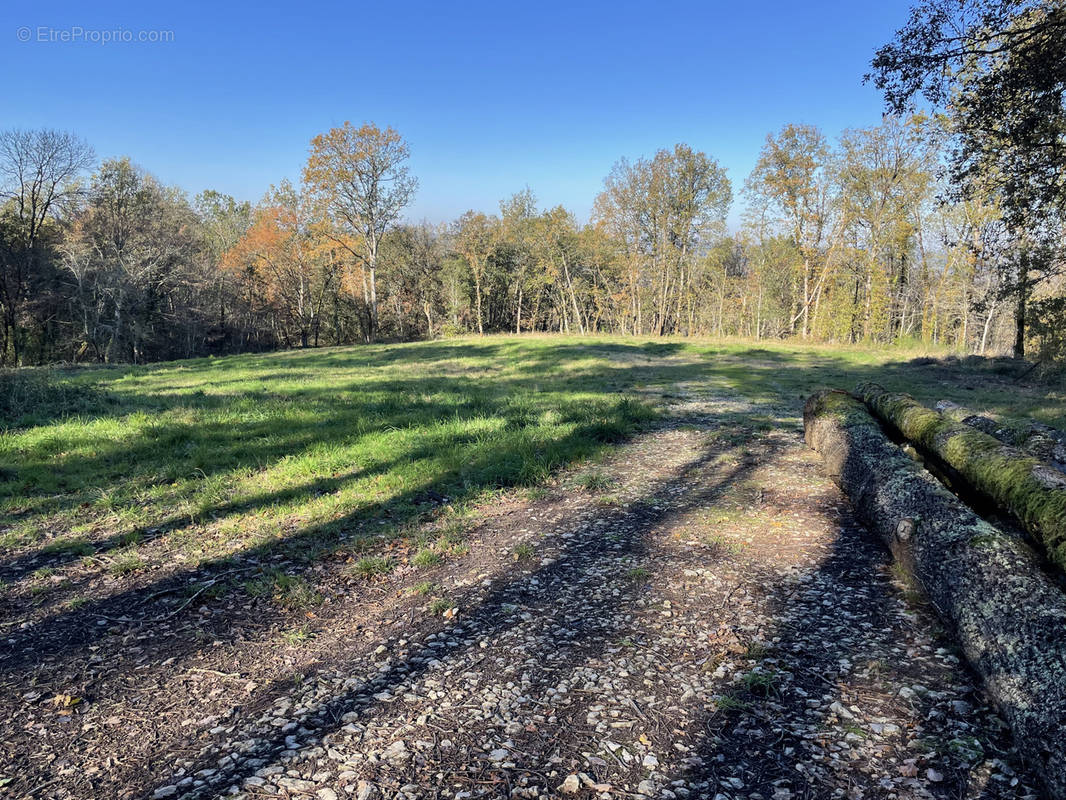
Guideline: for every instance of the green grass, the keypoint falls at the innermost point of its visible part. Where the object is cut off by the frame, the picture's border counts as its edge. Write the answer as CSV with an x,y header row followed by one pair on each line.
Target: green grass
x,y
426,558
438,606
227,455
72,545
299,453
125,563
535,493
293,592
297,636
761,683
721,543
756,651
371,566
856,730
729,702
595,482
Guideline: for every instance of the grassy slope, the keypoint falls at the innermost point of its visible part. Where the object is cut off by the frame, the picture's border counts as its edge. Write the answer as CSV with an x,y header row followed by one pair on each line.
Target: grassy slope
x,y
194,460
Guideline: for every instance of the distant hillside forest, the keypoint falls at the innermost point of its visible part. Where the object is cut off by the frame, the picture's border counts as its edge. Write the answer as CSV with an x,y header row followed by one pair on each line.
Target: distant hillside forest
x,y
925,228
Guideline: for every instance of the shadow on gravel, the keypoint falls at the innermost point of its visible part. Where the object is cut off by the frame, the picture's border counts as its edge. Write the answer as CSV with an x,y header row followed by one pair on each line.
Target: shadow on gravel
x,y
572,626
789,733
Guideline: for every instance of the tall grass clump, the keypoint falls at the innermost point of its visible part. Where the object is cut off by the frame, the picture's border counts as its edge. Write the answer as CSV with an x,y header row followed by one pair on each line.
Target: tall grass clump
x,y
35,396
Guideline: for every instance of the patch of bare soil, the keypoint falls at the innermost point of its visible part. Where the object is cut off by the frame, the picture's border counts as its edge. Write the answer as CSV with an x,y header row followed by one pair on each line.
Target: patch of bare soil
x,y
698,617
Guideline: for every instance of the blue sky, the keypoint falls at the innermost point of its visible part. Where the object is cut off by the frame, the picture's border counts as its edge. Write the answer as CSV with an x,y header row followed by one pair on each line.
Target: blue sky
x,y
491,96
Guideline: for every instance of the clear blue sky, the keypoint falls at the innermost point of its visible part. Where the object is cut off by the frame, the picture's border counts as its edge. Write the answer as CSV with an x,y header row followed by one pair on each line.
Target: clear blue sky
x,y
491,96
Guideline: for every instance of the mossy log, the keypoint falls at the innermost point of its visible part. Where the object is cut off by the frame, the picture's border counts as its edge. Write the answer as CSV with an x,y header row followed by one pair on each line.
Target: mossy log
x,y
1031,490
987,585
1035,438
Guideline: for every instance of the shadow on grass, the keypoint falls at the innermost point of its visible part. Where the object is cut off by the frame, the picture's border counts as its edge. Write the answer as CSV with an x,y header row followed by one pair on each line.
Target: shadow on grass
x,y
780,385
260,426
260,431
68,632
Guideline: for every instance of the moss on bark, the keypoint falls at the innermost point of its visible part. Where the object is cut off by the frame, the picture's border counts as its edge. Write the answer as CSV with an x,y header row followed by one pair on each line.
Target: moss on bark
x,y
987,585
1035,438
1022,484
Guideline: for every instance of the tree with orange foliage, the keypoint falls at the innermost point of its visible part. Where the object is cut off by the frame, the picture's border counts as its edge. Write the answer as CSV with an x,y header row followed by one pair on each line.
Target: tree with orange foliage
x,y
361,177
283,266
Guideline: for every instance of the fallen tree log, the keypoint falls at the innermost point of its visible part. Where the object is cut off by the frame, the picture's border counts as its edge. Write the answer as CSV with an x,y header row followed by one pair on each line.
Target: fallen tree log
x,y
987,585
1035,438
1032,491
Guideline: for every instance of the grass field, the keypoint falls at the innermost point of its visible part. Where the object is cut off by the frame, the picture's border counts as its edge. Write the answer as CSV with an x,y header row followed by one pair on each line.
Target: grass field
x,y
124,468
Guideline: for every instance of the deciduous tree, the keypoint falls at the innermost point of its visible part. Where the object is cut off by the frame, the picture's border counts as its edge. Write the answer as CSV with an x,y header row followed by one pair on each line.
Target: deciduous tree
x,y
39,172
362,178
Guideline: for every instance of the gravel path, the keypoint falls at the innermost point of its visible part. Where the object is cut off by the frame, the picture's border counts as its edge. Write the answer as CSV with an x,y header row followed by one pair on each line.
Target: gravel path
x,y
719,627
701,618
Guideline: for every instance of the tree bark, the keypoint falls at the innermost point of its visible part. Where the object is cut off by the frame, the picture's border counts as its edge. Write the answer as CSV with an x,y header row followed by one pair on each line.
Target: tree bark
x,y
1020,309
477,293
1034,492
987,586
988,325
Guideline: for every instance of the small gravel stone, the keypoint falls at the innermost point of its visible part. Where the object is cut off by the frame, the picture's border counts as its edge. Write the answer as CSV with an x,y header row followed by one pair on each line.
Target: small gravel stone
x,y
570,785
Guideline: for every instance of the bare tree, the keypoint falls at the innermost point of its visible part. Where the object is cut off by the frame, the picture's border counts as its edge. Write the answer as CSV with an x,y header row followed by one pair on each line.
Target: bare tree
x,y
131,247
38,178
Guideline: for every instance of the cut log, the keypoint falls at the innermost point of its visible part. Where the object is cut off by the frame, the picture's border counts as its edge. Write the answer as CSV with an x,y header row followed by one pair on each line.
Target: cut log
x,y
1035,438
987,585
1032,491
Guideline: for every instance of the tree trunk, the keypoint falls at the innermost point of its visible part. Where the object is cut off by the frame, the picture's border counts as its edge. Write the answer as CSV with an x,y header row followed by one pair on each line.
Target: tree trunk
x,y
1019,311
573,298
758,317
11,335
373,302
988,325
116,333
1034,492
477,292
987,586
661,322
867,317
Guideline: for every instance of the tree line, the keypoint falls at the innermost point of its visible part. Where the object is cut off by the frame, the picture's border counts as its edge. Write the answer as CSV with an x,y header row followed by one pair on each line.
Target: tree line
x,y
935,227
